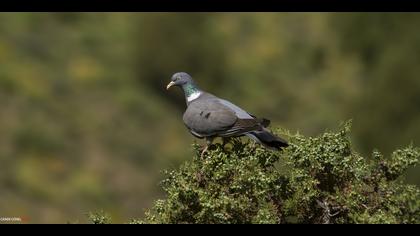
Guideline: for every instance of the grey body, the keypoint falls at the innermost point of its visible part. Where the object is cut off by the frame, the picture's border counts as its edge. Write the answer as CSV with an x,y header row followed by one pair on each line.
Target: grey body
x,y
209,116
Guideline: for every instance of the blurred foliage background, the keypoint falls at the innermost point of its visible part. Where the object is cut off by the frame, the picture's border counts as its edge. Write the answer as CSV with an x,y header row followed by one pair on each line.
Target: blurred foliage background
x,y
86,122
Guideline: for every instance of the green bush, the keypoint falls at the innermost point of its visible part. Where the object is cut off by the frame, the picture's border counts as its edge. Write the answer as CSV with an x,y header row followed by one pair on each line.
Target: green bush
x,y
315,180
99,218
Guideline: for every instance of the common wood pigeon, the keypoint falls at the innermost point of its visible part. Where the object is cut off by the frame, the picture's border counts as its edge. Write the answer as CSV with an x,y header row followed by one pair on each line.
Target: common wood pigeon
x,y
208,116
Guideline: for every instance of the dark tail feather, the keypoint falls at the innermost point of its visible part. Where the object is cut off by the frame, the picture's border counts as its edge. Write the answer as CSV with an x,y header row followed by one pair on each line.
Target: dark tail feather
x,y
268,139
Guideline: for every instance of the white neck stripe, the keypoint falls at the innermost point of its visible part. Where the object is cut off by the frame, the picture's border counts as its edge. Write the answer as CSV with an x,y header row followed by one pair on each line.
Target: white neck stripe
x,y
193,96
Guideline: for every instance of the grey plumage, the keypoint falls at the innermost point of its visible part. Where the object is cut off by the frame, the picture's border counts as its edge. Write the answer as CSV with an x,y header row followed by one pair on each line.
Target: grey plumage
x,y
208,116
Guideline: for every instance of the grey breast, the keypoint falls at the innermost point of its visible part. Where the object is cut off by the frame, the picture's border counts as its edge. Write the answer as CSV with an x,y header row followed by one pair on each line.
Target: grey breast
x,y
207,116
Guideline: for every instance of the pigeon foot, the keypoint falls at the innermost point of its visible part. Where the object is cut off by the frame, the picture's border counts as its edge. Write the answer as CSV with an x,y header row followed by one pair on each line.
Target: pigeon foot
x,y
209,141
204,151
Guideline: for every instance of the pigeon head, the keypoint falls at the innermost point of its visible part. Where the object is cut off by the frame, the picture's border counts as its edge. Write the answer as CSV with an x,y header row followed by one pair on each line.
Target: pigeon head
x,y
184,81
180,79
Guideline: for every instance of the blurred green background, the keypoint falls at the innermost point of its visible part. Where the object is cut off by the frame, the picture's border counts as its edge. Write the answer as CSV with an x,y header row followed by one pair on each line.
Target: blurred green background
x,y
86,122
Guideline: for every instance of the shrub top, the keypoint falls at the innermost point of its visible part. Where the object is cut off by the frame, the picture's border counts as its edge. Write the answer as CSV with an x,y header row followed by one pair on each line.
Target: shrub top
x,y
315,180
